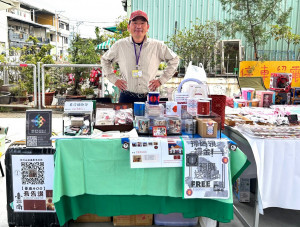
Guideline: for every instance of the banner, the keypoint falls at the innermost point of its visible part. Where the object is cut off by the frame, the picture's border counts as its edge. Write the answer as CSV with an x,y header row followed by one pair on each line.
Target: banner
x,y
265,68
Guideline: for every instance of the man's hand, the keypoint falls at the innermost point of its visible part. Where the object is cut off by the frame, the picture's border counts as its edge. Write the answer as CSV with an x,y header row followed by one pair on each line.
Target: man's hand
x,y
121,84
154,84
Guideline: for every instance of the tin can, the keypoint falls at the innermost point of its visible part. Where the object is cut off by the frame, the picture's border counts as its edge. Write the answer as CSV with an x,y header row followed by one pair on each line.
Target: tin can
x,y
153,98
203,107
159,122
171,108
139,108
174,125
190,126
143,125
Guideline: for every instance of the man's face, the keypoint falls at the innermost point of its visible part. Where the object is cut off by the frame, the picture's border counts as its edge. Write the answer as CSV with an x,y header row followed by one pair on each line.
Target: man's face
x,y
138,28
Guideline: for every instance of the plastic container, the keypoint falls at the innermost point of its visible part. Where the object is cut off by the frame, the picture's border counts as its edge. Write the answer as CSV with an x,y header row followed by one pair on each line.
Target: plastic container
x,y
255,103
238,103
41,216
174,219
247,93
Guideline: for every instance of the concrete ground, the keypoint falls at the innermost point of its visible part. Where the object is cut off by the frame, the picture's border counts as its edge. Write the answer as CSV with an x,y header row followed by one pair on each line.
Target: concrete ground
x,y
273,217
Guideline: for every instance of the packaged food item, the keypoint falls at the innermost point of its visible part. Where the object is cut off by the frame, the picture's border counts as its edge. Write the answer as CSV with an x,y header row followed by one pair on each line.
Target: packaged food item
x,y
174,125
123,117
159,122
203,107
171,108
143,125
190,126
153,98
105,116
139,108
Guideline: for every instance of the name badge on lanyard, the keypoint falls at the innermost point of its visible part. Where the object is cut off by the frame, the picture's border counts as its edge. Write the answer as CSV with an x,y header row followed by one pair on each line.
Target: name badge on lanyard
x,y
136,73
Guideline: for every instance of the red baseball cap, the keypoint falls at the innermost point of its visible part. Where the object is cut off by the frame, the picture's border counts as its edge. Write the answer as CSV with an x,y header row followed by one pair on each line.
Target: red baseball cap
x,y
138,13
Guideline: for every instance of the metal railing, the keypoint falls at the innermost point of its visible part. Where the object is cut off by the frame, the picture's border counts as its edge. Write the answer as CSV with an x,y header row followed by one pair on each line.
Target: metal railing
x,y
42,73
34,77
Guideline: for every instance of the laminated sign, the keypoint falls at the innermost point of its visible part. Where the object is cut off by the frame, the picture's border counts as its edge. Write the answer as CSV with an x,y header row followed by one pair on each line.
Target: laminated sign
x,y
33,183
206,168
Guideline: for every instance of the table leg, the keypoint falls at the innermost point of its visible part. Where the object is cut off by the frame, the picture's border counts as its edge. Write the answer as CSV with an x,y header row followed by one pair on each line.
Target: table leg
x,y
256,210
241,217
2,172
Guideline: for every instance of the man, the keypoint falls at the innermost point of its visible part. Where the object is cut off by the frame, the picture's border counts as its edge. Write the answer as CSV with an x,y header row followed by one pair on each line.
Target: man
x,y
138,58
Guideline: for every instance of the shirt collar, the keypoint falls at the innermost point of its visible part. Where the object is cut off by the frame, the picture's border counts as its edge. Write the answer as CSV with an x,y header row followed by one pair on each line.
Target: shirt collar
x,y
145,39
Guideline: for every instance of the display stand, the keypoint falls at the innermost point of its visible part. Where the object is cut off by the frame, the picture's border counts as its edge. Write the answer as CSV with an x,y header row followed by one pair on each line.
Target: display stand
x,y
82,109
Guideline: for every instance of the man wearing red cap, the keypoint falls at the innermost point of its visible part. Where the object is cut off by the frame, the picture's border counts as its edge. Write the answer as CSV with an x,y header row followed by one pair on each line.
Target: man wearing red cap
x,y
138,58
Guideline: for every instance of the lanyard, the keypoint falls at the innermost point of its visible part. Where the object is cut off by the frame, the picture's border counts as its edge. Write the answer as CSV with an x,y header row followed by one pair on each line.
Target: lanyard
x,y
137,58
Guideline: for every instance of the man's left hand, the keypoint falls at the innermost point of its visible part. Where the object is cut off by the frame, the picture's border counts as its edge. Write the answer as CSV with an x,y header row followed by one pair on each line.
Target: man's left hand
x,y
154,84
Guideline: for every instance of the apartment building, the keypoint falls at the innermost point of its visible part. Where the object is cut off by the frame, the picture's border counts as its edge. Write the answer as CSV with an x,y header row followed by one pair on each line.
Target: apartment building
x,y
24,20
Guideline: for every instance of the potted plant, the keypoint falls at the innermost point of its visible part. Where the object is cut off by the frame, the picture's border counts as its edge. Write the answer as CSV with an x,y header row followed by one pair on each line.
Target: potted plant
x,y
88,92
19,92
82,51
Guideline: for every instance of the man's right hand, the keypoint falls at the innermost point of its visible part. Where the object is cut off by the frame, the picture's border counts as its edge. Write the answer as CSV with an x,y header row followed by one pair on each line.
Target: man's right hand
x,y
121,84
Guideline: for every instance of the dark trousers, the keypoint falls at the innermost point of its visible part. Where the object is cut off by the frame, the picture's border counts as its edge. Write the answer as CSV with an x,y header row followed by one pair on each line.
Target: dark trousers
x,y
128,97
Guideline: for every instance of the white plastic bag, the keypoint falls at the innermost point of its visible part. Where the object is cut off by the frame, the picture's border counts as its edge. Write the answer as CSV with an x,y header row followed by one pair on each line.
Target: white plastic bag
x,y
198,73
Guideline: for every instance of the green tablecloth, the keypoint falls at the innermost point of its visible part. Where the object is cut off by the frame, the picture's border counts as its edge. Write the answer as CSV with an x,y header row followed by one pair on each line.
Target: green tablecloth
x,y
94,176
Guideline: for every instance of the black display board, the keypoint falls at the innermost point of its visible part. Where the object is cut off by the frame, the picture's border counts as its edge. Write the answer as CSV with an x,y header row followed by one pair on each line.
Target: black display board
x,y
38,128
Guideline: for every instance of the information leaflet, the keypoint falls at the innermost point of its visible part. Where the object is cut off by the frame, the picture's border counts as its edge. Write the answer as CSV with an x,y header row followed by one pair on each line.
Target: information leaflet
x,y
155,152
206,168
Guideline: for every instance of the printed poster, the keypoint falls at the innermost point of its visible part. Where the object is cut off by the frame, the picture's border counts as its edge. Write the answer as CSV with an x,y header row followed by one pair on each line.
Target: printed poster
x,y
32,178
155,152
206,169
38,128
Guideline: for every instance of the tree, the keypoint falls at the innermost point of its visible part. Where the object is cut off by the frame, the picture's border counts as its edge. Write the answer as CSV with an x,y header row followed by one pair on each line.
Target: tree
x,y
284,32
99,38
121,27
82,52
253,17
33,54
197,44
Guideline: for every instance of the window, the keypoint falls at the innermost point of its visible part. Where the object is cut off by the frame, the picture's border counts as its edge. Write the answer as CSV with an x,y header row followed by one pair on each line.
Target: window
x,y
61,25
67,27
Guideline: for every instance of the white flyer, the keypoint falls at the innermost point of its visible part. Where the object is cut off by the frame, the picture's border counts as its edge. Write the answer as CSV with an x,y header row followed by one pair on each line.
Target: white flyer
x,y
205,168
155,152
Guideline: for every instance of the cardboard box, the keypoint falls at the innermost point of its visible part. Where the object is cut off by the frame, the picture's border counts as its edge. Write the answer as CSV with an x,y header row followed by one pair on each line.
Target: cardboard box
x,y
133,220
207,128
241,189
92,218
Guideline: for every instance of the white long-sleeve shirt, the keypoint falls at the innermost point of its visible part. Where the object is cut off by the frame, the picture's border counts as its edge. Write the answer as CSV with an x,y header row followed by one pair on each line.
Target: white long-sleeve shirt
x,y
153,52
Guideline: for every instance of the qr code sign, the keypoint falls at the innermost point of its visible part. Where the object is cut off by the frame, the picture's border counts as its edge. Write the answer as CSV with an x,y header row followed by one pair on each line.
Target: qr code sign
x,y
31,141
33,172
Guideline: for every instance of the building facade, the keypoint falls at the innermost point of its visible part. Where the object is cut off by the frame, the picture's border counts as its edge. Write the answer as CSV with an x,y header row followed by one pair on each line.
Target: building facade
x,y
25,20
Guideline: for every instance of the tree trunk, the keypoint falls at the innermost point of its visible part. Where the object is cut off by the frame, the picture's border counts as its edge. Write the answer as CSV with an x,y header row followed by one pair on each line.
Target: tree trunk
x,y
287,51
